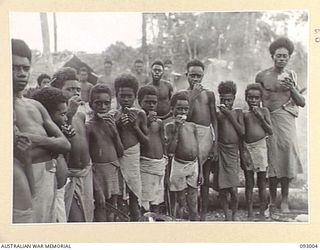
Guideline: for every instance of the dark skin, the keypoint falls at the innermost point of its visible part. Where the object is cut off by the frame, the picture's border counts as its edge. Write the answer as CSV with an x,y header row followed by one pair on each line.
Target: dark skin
x,y
277,91
231,129
132,127
182,142
203,112
258,125
105,146
164,88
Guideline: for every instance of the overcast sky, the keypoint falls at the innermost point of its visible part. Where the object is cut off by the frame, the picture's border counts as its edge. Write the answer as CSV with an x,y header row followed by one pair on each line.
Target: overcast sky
x,y
90,32
93,32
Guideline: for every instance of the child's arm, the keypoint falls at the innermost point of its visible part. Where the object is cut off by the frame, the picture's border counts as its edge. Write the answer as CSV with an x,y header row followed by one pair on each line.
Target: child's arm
x,y
214,122
162,136
139,124
264,118
237,122
172,138
200,168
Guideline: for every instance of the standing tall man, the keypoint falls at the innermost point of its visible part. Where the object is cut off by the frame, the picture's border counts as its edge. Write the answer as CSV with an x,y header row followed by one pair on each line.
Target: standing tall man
x,y
164,88
282,97
138,72
33,120
203,113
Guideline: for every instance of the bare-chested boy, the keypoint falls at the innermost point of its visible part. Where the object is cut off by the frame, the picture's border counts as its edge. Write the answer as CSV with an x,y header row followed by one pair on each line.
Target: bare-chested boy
x,y
105,148
23,180
231,130
152,160
164,88
182,142
56,104
132,127
203,114
33,120
257,126
79,191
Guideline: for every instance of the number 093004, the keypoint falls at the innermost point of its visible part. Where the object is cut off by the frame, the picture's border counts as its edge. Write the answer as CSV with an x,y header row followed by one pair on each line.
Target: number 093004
x,y
308,245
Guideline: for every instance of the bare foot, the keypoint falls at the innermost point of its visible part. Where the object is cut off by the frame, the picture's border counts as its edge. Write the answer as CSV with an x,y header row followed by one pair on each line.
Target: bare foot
x,y
250,215
203,217
227,217
284,207
235,217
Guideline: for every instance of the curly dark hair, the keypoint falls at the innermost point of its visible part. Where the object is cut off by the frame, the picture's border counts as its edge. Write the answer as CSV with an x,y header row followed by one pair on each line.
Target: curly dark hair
x,y
146,90
41,77
281,42
227,87
62,75
20,48
157,62
194,63
97,89
50,98
253,86
126,81
180,95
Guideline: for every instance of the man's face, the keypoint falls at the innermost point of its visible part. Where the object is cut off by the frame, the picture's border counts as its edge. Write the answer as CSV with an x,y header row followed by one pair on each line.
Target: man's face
x,y
181,108
59,117
253,98
101,103
227,100
281,57
149,103
45,83
20,72
138,67
156,72
167,68
195,75
83,76
71,88
107,68
126,97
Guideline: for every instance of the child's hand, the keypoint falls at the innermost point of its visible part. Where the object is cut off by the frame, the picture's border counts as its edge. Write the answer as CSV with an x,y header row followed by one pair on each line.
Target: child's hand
x,y
257,112
22,147
68,130
132,116
73,104
197,89
124,120
179,120
152,116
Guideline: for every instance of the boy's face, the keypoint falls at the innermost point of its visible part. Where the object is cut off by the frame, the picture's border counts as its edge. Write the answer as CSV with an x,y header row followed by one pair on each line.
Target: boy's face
x,y
253,98
227,100
138,67
101,103
59,116
195,75
45,83
149,103
181,108
157,72
20,72
83,76
126,97
281,57
71,88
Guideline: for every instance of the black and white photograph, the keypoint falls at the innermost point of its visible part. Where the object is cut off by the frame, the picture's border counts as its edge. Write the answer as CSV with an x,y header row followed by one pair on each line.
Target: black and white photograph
x,y
149,117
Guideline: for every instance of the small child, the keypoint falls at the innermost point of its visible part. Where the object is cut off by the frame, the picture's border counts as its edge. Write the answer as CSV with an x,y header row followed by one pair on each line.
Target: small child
x,y
132,127
56,104
105,148
257,126
186,172
231,130
152,160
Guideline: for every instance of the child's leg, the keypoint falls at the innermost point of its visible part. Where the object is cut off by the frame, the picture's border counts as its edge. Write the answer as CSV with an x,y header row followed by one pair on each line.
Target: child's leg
x,y
76,211
223,195
284,194
133,207
113,201
204,190
192,200
234,202
249,176
262,192
273,183
181,200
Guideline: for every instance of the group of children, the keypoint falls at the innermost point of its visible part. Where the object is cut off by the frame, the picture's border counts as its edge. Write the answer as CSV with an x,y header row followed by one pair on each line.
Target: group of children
x,y
127,161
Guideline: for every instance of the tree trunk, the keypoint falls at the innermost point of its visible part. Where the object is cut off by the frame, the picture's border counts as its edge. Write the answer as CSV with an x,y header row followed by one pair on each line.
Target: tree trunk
x,y
46,42
55,33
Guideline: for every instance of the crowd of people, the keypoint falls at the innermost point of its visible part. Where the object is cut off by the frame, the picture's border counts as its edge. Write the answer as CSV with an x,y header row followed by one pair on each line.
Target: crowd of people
x,y
79,159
